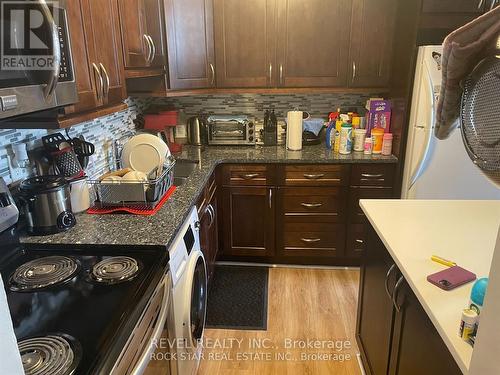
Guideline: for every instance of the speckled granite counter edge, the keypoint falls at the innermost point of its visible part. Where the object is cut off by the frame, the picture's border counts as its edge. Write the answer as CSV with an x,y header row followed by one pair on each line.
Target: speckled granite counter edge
x,y
161,229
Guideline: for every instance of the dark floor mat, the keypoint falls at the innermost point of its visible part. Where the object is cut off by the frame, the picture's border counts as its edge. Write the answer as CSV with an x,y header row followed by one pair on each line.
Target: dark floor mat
x,y
238,298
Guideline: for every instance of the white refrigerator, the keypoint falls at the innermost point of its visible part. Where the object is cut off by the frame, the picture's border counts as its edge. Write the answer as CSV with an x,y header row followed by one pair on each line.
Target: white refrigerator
x,y
437,169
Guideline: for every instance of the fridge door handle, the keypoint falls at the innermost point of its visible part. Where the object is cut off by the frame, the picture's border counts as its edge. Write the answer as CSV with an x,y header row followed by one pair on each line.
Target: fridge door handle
x,y
423,158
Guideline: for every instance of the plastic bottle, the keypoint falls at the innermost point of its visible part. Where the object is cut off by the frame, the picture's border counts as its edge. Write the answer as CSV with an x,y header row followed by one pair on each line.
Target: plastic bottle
x,y
387,144
346,139
359,139
330,135
368,146
477,295
377,140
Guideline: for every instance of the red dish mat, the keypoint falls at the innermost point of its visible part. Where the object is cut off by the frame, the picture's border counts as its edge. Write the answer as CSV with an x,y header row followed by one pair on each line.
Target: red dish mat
x,y
136,210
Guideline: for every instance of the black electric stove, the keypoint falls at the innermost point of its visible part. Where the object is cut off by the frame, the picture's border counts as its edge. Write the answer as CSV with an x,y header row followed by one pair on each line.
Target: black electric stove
x,y
76,306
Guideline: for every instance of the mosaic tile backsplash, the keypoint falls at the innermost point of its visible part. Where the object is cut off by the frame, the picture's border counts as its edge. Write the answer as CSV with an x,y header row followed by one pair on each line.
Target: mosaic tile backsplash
x,y
318,105
103,131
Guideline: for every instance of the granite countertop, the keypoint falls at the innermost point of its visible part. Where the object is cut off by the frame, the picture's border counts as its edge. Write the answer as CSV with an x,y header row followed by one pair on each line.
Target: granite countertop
x,y
160,229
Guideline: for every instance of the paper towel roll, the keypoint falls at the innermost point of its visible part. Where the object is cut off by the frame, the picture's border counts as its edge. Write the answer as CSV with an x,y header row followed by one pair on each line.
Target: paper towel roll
x,y
10,359
294,131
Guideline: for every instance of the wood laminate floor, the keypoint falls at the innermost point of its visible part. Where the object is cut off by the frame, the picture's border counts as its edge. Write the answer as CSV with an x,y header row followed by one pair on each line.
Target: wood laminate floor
x,y
304,304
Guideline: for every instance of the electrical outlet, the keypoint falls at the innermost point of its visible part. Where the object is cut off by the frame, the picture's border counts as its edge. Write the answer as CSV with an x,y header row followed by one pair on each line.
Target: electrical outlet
x,y
17,173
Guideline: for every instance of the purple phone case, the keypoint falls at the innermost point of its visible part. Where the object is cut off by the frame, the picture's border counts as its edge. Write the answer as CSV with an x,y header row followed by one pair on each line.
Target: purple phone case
x,y
451,278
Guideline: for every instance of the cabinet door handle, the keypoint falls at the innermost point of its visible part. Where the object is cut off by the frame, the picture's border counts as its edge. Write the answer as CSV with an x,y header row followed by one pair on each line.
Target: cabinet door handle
x,y
360,241
310,240
370,175
153,49
395,294
313,176
249,176
386,283
493,4
270,198
281,74
149,48
105,88
480,4
311,205
353,71
212,69
99,82
270,73
211,212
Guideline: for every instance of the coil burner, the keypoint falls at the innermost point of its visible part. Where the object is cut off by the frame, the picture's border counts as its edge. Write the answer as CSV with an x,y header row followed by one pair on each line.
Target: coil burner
x,y
50,355
43,272
115,270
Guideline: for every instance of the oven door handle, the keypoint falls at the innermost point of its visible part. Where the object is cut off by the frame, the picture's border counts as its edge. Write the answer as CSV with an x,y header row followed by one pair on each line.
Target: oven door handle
x,y
56,53
144,359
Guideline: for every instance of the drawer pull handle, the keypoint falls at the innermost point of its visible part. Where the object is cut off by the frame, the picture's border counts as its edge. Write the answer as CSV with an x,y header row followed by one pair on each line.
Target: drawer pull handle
x,y
359,241
311,205
369,175
373,179
249,176
309,240
313,176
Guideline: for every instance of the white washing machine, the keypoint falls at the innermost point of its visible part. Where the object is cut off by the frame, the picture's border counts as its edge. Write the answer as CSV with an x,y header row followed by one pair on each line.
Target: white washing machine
x,y
189,297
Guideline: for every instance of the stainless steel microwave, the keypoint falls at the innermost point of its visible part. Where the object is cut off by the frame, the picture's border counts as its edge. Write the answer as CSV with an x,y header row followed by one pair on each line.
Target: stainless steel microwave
x,y
36,67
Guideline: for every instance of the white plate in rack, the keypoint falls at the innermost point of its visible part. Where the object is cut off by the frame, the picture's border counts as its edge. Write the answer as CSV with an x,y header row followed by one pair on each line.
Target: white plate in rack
x,y
144,152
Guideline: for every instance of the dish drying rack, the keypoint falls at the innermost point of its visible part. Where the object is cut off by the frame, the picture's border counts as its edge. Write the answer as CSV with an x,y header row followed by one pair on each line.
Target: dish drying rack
x,y
134,194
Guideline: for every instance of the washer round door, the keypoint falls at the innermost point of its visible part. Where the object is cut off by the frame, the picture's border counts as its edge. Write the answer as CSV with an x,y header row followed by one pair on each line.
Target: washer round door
x,y
198,300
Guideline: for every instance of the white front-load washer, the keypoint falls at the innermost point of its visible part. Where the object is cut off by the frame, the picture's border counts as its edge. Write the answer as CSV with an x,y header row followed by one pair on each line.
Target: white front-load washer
x,y
189,296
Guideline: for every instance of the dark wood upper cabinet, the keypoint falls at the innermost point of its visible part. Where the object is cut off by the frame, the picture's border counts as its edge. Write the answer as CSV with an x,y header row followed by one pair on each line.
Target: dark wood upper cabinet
x,y
141,24
248,221
190,43
372,34
83,54
245,48
313,43
96,47
106,31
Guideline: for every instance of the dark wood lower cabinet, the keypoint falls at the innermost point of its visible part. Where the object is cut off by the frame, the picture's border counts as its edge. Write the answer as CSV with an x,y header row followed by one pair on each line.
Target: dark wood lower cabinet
x,y
248,222
395,336
417,347
375,310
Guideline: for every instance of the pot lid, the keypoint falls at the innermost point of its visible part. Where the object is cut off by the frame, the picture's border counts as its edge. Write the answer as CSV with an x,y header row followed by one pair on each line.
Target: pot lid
x,y
42,183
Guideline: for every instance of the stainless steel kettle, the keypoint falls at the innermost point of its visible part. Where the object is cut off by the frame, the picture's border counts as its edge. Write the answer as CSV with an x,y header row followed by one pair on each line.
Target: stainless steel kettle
x,y
197,131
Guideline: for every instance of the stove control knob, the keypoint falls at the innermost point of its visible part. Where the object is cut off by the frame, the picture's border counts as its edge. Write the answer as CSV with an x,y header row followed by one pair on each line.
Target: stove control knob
x,y
197,225
66,220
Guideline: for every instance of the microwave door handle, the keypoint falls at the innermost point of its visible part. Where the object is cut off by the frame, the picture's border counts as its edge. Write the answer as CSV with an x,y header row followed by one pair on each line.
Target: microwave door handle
x,y
56,53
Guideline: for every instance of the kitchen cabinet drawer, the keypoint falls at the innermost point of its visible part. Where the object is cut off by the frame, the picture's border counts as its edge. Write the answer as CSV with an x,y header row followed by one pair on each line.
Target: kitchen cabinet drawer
x,y
356,214
303,202
372,175
355,244
308,239
247,175
315,175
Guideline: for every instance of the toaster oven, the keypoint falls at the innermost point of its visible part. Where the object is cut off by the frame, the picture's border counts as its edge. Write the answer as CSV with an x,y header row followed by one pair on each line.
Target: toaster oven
x,y
230,130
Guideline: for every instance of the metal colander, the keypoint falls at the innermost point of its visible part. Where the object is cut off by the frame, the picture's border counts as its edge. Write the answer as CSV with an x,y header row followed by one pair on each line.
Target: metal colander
x,y
480,116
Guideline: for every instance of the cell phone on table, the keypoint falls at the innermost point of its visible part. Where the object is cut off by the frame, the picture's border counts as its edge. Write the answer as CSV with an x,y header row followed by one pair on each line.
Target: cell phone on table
x,y
451,278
